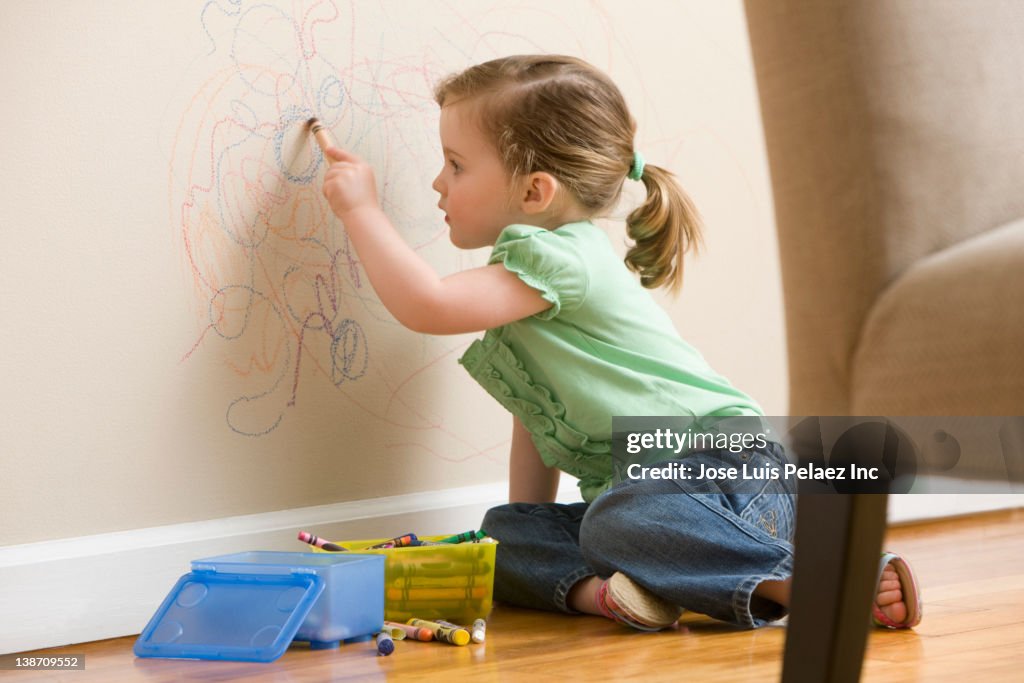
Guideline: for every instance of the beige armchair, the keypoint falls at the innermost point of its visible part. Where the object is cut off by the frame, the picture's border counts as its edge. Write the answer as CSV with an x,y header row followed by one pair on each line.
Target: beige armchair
x,y
895,137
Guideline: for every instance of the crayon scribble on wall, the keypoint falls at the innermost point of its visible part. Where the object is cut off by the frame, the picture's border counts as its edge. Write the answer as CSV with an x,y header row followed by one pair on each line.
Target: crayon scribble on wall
x,y
269,262
281,298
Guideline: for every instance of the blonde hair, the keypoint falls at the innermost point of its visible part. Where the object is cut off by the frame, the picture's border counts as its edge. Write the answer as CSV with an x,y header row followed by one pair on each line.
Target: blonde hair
x,y
562,116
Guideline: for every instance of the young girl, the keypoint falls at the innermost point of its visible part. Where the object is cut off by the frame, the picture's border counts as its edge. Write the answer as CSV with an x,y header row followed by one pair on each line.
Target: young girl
x,y
535,147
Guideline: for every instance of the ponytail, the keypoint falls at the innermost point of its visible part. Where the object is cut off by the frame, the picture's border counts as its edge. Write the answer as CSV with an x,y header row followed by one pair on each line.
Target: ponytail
x,y
663,229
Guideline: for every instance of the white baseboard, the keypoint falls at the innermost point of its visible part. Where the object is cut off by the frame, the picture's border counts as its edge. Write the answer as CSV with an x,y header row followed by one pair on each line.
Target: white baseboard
x,y
937,497
108,585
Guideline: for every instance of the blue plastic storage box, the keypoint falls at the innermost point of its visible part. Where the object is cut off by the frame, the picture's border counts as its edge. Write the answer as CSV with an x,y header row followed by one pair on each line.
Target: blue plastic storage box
x,y
250,606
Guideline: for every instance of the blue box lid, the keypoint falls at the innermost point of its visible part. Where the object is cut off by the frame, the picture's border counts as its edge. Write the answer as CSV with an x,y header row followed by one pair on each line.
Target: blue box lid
x,y
238,617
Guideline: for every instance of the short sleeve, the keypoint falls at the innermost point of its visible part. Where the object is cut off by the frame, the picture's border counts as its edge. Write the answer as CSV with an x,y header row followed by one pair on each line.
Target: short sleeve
x,y
546,261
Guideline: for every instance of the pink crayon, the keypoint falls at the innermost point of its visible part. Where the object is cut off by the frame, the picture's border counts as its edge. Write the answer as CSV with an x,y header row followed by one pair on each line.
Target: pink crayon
x,y
309,538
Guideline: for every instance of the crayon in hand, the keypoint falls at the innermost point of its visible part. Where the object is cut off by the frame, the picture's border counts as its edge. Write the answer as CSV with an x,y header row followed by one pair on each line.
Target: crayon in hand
x,y
319,132
309,538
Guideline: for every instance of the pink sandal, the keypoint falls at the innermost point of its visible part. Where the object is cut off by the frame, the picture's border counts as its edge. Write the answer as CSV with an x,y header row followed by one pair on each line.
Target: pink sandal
x,y
911,594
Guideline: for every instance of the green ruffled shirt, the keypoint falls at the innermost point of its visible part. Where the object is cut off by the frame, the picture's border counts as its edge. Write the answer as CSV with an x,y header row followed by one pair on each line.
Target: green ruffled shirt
x,y
603,348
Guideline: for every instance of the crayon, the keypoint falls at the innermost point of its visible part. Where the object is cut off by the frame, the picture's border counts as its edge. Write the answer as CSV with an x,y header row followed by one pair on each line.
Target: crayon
x,y
309,538
451,625
465,537
417,593
319,132
442,581
395,632
415,632
417,608
439,569
403,541
385,645
446,634
478,631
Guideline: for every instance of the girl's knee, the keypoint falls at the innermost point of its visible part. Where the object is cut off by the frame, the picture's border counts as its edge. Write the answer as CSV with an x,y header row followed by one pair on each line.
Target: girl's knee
x,y
620,521
608,524
502,517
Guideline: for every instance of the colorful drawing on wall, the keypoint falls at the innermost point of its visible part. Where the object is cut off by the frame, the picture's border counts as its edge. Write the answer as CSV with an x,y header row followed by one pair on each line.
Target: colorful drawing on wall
x,y
280,293
266,256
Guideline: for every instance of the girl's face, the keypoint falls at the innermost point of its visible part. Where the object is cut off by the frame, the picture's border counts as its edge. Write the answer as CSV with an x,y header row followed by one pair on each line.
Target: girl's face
x,y
475,189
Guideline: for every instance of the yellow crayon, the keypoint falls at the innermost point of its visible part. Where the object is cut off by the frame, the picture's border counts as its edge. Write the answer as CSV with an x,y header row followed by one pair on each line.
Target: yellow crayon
x,y
476,568
395,631
446,581
419,606
414,632
419,593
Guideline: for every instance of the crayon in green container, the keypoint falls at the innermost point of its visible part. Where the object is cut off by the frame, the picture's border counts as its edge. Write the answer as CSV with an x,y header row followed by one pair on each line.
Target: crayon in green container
x,y
465,537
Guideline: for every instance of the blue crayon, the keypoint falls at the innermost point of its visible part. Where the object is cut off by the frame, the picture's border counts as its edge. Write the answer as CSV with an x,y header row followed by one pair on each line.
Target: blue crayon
x,y
385,645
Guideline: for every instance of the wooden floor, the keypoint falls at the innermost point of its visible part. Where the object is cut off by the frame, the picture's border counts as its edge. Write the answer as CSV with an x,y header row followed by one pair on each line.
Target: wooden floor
x,y
971,569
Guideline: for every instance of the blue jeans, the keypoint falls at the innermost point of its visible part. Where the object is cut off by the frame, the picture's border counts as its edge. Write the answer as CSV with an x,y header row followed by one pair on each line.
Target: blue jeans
x,y
702,545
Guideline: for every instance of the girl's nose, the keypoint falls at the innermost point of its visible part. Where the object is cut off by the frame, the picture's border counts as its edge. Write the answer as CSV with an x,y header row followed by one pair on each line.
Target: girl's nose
x,y
436,185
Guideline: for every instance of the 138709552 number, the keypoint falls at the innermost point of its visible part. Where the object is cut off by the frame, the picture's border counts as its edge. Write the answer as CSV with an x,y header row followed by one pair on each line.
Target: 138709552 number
x,y
21,662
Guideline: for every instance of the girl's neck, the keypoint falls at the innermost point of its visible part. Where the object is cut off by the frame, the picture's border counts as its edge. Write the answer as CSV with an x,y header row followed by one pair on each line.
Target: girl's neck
x,y
556,216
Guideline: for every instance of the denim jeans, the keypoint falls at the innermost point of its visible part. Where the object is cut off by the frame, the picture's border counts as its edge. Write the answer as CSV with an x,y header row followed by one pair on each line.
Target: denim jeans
x,y
702,545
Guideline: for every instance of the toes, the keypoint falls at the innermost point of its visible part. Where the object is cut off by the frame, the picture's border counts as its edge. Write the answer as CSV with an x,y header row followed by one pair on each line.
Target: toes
x,y
889,587
890,591
896,611
888,597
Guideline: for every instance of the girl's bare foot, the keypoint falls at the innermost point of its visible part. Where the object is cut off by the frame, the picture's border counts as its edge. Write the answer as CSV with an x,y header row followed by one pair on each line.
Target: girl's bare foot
x,y
889,597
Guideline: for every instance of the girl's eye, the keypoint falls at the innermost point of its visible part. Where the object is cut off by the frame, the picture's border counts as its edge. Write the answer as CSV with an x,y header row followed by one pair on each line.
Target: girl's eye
x,y
455,166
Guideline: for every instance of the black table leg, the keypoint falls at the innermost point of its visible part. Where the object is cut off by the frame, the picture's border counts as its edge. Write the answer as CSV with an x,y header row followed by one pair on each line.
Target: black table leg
x,y
838,545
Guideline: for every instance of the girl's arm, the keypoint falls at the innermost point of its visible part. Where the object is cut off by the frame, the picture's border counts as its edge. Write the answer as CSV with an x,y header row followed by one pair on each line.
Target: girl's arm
x,y
468,301
529,479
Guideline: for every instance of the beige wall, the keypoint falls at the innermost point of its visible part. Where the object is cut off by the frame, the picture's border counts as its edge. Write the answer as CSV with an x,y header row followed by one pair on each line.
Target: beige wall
x,y
142,192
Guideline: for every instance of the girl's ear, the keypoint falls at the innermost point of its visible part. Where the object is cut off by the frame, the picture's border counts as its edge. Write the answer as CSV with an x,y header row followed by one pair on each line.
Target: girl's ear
x,y
538,191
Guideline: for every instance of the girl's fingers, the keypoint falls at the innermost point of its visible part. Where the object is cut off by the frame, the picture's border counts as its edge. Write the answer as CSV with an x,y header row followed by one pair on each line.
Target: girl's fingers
x,y
338,154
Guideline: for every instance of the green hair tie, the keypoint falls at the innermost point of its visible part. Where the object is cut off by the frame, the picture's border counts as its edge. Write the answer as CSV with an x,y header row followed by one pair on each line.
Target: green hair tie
x,y
636,171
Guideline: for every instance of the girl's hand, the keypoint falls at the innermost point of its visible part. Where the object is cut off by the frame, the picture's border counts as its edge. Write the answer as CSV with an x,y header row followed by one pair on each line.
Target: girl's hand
x,y
349,184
